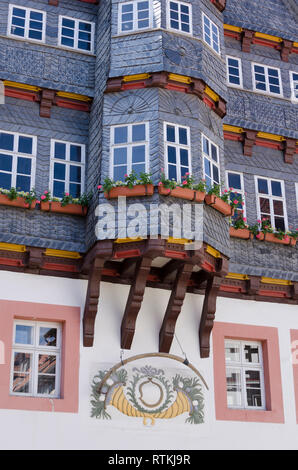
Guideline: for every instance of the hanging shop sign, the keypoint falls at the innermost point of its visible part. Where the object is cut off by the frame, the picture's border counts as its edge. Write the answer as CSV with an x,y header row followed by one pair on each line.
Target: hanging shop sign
x,y
148,386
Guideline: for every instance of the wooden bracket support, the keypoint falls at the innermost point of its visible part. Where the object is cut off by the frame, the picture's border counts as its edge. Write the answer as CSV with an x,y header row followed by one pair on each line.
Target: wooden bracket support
x,y
289,150
34,262
247,37
286,47
208,314
174,307
220,4
248,142
46,102
96,259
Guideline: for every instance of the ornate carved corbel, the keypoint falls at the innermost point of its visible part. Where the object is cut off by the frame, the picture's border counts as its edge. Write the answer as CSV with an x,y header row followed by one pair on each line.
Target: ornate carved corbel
x,y
34,261
253,285
197,87
286,47
289,150
247,37
174,307
95,259
46,102
208,314
248,142
221,108
158,79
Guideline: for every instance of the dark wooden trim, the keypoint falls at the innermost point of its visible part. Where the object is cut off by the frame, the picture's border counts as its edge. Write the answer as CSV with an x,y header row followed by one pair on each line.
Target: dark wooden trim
x,y
249,142
47,98
286,48
174,307
247,37
220,4
208,314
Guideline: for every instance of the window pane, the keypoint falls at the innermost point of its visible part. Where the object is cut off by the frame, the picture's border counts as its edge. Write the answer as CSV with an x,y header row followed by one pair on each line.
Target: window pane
x,y
234,181
278,208
68,23
24,334
46,385
24,166
184,157
34,15
85,46
215,174
251,353
182,136
35,35
119,172
59,171
170,134
276,188
19,12
138,168
75,174
60,150
23,183
58,189
5,181
68,32
138,133
25,144
172,155
5,162
75,190
120,135
172,172
120,156
233,377
253,387
75,153
262,186
214,153
22,362
84,26
207,167
232,352
47,364
138,154
47,336
67,42
205,146
279,223
264,205
6,141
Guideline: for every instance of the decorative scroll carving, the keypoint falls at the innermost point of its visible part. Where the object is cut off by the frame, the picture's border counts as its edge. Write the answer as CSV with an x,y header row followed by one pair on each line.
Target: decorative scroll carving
x,y
134,301
97,257
174,307
208,314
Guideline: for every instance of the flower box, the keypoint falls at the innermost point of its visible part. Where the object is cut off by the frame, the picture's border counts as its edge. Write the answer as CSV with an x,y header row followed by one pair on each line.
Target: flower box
x,y
72,209
138,190
18,202
243,233
182,193
270,237
218,204
260,236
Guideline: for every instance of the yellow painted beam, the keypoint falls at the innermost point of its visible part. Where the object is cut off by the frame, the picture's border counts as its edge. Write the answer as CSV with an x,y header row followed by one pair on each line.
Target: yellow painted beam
x,y
211,93
266,135
128,240
62,254
22,86
295,44
12,247
239,277
280,282
227,127
268,37
213,252
179,241
132,78
179,78
73,96
230,27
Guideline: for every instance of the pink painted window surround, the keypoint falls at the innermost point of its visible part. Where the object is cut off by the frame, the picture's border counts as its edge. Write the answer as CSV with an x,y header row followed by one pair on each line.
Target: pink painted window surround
x,y
294,348
268,336
69,318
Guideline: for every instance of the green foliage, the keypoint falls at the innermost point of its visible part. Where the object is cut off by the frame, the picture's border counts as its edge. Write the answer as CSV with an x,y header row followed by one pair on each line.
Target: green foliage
x,y
131,392
191,387
98,403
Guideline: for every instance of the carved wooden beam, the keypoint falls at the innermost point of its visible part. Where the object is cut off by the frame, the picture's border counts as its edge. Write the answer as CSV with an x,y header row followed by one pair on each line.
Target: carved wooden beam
x,y
134,301
35,256
170,267
46,102
174,307
249,141
208,314
286,47
100,253
220,4
289,150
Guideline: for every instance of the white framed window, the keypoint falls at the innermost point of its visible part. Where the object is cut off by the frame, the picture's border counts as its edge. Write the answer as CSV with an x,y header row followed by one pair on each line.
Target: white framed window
x,y
177,151
234,181
294,85
234,72
211,167
134,16
179,16
36,358
67,169
26,23
271,202
244,375
17,161
76,34
266,79
211,33
129,150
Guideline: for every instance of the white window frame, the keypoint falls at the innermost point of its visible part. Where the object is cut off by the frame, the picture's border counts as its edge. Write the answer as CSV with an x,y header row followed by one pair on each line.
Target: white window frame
x,y
218,35
135,18
240,72
189,5
209,157
239,191
15,154
35,350
292,82
178,147
67,162
129,144
267,91
27,19
242,365
76,34
271,197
